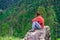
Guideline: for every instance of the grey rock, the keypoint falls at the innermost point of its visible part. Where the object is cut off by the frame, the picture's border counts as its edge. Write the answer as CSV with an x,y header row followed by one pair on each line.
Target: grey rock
x,y
43,34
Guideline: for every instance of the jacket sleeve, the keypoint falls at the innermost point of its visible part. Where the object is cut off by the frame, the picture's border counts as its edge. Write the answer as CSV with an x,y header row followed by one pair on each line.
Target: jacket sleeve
x,y
34,20
42,25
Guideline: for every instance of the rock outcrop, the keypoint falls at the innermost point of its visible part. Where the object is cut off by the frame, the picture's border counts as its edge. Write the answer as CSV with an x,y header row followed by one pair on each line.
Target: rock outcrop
x,y
42,34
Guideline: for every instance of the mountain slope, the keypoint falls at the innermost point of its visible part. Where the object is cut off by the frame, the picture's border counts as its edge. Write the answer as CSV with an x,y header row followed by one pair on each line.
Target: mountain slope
x,y
16,20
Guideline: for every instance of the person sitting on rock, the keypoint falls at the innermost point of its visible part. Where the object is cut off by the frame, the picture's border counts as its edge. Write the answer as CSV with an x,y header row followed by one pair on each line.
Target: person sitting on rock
x,y
37,23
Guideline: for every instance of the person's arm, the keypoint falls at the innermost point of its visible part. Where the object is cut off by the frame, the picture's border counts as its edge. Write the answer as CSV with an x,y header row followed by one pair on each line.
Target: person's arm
x,y
34,20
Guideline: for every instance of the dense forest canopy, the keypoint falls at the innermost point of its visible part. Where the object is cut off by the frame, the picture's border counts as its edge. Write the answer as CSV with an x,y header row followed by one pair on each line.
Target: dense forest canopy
x,y
16,16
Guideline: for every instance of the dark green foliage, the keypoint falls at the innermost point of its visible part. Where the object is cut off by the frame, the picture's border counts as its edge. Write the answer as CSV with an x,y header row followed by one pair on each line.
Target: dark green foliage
x,y
16,20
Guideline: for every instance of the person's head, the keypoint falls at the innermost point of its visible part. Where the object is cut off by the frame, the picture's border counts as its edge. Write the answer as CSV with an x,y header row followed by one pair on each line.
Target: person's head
x,y
38,14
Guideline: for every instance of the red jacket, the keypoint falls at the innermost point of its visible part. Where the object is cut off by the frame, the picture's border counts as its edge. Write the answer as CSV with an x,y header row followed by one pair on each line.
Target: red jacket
x,y
40,20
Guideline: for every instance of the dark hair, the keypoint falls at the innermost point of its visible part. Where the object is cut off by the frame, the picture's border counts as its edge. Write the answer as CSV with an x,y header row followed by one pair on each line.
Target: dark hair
x,y
38,14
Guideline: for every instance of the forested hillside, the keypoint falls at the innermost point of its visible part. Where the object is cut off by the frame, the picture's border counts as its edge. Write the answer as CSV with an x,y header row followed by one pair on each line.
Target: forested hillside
x,y
4,4
15,19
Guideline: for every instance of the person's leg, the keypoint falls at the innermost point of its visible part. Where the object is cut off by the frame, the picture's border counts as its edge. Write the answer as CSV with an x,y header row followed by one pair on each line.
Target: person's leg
x,y
33,27
37,25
